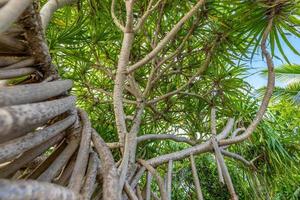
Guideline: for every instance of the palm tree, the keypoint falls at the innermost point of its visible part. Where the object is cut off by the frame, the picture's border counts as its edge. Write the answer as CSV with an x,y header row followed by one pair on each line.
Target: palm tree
x,y
290,75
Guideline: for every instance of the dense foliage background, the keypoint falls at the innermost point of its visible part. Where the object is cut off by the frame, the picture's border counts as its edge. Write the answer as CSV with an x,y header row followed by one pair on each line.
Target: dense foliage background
x,y
85,45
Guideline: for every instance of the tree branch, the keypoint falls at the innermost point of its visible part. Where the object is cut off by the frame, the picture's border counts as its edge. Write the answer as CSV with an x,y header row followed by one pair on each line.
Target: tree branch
x,y
10,12
110,177
115,19
166,39
152,81
83,153
196,178
165,137
223,173
159,180
146,14
238,157
200,71
269,90
49,8
169,179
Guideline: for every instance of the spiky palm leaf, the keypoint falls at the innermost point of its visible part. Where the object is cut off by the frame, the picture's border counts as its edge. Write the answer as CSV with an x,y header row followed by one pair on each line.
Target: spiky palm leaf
x,y
291,75
287,73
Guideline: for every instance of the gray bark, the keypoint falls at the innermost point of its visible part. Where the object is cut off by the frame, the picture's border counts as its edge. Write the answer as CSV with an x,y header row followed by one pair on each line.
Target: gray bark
x,y
148,186
23,63
49,8
90,179
9,60
17,146
18,120
10,12
111,189
45,164
21,190
169,179
28,156
196,178
64,178
60,161
76,179
14,73
31,93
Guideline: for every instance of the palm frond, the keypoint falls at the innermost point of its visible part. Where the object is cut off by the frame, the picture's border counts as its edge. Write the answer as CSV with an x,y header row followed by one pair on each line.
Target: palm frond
x,y
291,92
287,73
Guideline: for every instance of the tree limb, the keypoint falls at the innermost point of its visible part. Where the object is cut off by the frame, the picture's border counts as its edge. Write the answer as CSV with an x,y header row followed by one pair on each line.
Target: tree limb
x,y
82,155
49,8
10,12
196,178
269,90
111,189
29,189
114,17
159,180
146,14
166,39
164,137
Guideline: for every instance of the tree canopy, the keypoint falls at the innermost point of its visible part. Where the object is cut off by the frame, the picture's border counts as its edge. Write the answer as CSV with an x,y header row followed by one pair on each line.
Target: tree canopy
x,y
86,45
164,84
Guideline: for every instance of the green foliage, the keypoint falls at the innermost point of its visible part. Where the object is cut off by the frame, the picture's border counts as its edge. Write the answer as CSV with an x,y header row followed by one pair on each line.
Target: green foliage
x,y
290,74
85,45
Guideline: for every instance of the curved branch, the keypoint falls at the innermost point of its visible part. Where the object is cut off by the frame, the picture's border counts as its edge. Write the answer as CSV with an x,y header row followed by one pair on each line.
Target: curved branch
x,y
28,156
19,190
166,39
200,71
18,120
87,189
236,131
34,92
269,89
14,73
10,12
83,152
238,157
129,191
53,170
165,137
159,180
111,177
146,14
19,145
115,19
49,8
23,63
152,80
198,149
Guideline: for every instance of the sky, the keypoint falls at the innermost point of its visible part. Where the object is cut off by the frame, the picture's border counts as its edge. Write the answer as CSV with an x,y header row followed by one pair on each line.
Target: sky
x,y
256,80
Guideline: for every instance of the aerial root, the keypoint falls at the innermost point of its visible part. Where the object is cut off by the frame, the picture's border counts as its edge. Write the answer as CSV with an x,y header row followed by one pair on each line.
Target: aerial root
x,y
19,190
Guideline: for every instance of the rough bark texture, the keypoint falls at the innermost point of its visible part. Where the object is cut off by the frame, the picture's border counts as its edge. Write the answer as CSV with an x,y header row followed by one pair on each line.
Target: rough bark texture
x,y
32,93
20,190
17,120
83,154
14,147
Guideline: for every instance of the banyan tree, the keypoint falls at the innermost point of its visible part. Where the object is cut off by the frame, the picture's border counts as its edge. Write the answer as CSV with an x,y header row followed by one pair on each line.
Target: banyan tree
x,y
49,149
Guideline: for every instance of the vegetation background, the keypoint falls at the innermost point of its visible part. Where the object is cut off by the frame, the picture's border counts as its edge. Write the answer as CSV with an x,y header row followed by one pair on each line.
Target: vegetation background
x,y
85,42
